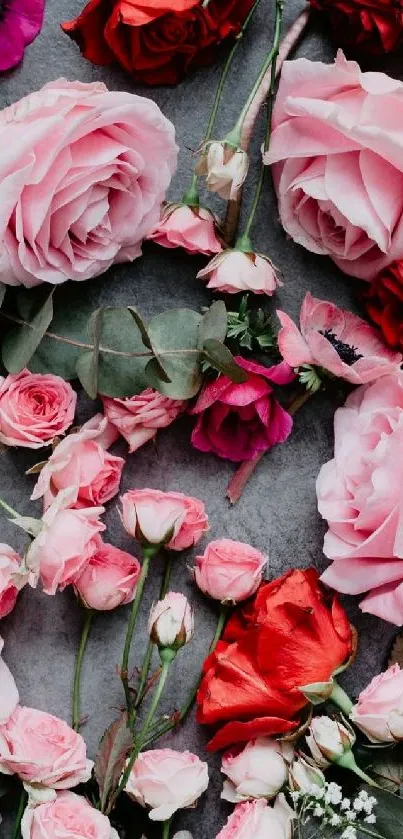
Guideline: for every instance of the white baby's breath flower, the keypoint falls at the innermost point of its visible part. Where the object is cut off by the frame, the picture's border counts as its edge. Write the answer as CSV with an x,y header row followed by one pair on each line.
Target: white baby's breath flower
x,y
371,819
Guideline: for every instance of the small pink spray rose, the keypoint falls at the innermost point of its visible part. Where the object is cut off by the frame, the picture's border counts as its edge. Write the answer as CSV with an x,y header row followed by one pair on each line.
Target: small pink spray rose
x,y
35,408
379,708
229,571
234,270
225,168
259,820
139,417
192,228
8,690
171,519
108,579
171,623
164,781
66,817
259,770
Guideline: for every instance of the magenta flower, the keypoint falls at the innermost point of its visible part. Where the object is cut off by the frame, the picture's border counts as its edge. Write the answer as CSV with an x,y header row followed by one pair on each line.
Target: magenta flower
x,y
20,23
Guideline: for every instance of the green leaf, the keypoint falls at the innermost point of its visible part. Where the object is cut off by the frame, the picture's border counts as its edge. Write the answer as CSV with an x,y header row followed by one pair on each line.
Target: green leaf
x,y
87,364
388,812
160,372
175,337
219,356
2,293
110,760
214,323
20,343
386,767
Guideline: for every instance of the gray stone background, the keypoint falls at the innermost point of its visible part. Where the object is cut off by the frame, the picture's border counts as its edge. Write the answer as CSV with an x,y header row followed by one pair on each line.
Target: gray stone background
x,y
278,510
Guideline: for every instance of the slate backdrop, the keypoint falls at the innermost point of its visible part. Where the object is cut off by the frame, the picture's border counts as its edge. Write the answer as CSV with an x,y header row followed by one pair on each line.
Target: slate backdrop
x,y
278,510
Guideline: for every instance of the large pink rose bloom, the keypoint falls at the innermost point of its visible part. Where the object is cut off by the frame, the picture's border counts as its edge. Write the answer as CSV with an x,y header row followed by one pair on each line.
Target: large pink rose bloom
x,y
82,182
379,709
239,421
192,228
109,578
336,340
139,417
69,816
8,692
359,493
337,150
12,579
258,820
82,464
172,519
165,781
34,408
42,749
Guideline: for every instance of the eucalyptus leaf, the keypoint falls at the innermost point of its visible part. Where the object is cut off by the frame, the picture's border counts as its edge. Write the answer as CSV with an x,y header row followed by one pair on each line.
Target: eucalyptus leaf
x,y
214,323
73,306
87,364
160,372
219,356
174,335
121,372
20,342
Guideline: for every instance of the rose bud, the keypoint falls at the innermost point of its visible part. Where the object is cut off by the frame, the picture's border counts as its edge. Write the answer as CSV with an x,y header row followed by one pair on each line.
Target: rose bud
x,y
66,817
229,571
171,519
234,270
12,579
258,771
303,774
192,228
329,740
139,417
225,168
379,709
8,691
109,578
171,623
165,781
257,820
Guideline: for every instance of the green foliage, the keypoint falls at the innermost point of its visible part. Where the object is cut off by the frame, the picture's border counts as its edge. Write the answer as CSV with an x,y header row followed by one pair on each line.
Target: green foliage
x,y
251,329
21,341
111,758
389,814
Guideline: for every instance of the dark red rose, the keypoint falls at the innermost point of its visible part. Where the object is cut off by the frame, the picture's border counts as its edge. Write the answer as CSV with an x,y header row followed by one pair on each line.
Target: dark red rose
x,y
364,27
158,41
383,301
291,634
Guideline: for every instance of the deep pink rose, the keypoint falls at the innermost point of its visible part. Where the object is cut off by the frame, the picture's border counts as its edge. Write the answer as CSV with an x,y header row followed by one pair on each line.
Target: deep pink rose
x,y
82,464
20,23
379,708
42,749
359,493
139,417
12,579
258,820
229,571
233,271
82,182
166,781
336,340
109,578
337,150
8,691
69,816
192,228
238,421
34,409
171,519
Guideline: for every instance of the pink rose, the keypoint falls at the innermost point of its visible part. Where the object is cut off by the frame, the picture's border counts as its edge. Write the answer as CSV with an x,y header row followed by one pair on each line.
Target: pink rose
x,y
67,540
138,418
165,781
229,571
233,271
69,816
258,820
171,519
192,228
42,749
82,464
336,340
379,709
109,578
34,409
359,493
8,691
81,187
238,421
337,150
171,621
259,770
12,579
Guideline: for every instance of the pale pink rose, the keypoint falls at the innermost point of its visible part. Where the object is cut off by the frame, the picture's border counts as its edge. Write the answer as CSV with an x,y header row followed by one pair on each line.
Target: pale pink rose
x,y
259,820
8,690
328,740
139,417
171,519
12,579
233,271
35,408
336,340
171,621
67,540
229,571
379,708
337,150
165,781
192,228
359,493
82,182
225,169
42,749
109,578
68,816
81,463
260,770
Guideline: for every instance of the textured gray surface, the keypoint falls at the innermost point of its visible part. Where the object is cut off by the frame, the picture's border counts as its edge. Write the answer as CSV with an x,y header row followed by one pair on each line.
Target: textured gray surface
x,y
278,510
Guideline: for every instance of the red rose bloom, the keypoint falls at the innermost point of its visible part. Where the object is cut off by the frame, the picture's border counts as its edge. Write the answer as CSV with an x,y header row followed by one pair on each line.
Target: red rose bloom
x,y
291,634
365,27
158,41
384,303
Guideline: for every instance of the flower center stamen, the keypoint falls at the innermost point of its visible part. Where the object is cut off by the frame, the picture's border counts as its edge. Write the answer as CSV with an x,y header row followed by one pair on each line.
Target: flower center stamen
x,y
348,354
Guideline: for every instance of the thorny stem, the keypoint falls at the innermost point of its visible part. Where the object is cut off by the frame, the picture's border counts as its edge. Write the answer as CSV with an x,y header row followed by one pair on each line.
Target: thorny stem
x,y
150,646
124,673
89,614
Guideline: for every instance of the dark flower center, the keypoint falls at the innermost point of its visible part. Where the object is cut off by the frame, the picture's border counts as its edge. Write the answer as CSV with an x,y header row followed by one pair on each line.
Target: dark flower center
x,y
347,353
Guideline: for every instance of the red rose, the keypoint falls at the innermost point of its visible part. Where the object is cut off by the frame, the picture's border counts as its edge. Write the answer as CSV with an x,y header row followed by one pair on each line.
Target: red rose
x,y
160,41
384,303
364,27
291,634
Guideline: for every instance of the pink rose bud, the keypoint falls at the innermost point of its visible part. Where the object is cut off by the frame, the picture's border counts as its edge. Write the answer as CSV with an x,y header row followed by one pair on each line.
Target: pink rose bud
x,y
138,418
171,519
379,709
225,168
192,228
13,578
170,623
260,770
8,690
329,740
229,571
67,816
109,578
234,270
34,409
305,774
165,781
81,463
259,820
42,749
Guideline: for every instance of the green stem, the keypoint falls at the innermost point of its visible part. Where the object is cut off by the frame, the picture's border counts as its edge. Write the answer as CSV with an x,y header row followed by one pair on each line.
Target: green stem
x,y
89,614
124,671
191,197
9,509
19,814
347,761
166,829
340,698
150,646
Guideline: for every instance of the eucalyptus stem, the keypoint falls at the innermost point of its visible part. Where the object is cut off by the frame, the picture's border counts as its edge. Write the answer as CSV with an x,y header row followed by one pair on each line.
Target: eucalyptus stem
x,y
89,614
19,814
148,553
150,646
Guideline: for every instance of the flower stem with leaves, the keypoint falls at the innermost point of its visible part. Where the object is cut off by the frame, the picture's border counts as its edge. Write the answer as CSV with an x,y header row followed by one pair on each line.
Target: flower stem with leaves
x,y
76,718
148,553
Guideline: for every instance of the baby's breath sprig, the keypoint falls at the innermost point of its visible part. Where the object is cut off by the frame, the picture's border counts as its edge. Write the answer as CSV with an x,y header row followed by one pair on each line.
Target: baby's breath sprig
x,y
327,810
